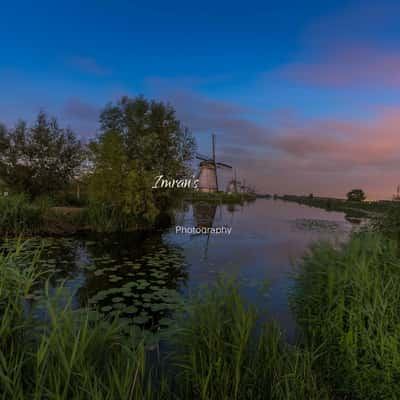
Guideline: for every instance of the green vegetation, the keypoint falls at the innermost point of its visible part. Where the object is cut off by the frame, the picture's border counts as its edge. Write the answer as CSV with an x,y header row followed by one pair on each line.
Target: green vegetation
x,y
60,358
112,178
39,159
356,208
18,215
346,300
356,195
214,351
223,351
220,197
139,140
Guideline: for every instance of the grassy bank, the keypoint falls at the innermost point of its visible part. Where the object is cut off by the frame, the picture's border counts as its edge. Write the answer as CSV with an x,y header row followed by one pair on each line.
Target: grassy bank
x,y
44,216
21,216
346,300
356,208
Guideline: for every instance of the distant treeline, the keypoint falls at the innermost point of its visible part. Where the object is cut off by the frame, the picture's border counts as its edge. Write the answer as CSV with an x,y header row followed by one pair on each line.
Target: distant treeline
x,y
335,204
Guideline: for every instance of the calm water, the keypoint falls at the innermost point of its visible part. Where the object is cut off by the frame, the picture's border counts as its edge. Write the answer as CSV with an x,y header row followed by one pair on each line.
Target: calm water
x,y
143,278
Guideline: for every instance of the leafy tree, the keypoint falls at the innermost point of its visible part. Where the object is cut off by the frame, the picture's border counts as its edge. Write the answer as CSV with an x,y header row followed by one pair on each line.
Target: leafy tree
x,y
139,140
356,195
40,159
119,182
151,133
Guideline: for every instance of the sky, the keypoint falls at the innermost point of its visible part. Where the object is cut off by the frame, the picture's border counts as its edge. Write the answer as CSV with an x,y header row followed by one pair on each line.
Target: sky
x,y
303,96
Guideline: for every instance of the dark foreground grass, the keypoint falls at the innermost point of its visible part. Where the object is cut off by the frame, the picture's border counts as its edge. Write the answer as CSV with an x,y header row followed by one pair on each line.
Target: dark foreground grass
x,y
347,300
215,351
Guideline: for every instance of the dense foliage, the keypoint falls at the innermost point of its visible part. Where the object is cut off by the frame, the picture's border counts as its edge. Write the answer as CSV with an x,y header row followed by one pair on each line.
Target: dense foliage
x,y
356,195
347,301
139,140
18,215
39,159
150,133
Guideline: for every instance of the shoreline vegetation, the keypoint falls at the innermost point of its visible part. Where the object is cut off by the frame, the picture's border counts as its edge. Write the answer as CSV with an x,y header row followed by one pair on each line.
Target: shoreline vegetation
x,y
20,216
362,208
345,300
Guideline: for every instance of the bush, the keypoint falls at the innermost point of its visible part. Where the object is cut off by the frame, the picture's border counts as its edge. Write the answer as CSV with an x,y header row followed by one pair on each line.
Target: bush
x,y
347,301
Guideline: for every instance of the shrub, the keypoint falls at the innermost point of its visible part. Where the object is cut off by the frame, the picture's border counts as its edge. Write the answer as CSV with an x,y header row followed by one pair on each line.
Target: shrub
x,y
19,215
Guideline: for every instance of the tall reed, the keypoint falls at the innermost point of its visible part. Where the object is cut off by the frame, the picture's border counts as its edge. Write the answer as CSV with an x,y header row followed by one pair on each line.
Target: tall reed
x,y
222,351
347,300
70,355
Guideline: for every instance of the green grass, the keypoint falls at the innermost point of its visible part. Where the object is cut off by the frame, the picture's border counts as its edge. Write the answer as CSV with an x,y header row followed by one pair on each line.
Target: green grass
x,y
347,301
223,351
70,355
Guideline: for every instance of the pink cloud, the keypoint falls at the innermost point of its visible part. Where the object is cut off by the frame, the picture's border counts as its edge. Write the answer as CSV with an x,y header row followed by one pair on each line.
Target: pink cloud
x,y
342,65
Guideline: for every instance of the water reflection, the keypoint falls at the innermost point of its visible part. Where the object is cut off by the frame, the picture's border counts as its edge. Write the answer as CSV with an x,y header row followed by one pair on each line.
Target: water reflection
x,y
142,277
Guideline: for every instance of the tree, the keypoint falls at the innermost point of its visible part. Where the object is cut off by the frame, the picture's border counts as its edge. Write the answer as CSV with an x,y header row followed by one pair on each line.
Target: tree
x,y
40,159
356,195
139,140
151,133
119,183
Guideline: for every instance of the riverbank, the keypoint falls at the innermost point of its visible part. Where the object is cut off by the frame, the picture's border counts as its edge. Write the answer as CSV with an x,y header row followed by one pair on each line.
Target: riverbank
x,y
20,216
352,208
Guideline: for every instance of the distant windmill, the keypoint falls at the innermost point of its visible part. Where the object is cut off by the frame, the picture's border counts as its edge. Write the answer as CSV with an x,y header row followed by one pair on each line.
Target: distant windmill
x,y
396,197
234,184
208,176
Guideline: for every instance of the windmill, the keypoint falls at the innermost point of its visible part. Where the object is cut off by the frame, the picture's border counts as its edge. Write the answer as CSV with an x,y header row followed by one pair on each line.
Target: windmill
x,y
208,176
396,197
234,184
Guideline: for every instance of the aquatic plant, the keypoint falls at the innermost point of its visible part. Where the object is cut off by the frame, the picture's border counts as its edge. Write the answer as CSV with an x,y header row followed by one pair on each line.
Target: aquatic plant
x,y
347,301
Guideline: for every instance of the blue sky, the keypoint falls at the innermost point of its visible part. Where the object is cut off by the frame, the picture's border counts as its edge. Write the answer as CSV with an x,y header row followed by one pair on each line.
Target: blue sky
x,y
301,95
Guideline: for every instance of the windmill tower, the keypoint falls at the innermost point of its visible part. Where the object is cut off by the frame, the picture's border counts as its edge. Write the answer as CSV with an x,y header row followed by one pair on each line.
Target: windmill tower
x,y
208,176
396,197
234,184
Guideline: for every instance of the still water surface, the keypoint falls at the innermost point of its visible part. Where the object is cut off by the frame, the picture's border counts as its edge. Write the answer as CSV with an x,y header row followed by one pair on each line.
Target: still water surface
x,y
144,278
